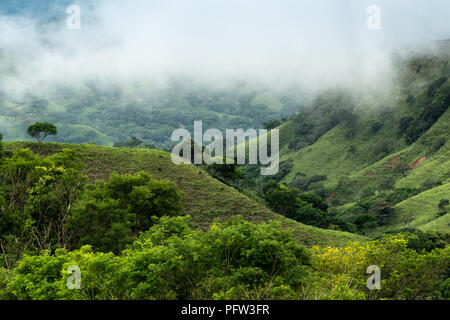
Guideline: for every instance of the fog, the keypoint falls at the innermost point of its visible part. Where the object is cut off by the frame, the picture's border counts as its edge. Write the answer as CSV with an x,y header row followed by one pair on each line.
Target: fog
x,y
275,43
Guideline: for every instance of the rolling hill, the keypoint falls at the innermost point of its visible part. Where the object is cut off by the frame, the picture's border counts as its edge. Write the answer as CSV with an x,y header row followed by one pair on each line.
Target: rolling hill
x,y
352,147
205,197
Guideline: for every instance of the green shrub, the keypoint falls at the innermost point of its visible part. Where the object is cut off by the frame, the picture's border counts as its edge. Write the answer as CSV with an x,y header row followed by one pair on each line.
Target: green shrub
x,y
111,214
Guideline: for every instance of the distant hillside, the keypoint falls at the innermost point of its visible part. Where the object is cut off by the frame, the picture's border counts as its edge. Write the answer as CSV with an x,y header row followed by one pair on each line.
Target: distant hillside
x,y
104,113
421,212
352,148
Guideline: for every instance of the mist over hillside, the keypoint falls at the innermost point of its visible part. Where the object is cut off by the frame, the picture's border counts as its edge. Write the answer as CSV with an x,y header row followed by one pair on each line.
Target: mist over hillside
x,y
259,41
132,67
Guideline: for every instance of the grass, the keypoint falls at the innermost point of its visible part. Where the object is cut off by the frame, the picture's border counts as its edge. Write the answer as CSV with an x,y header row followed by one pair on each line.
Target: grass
x,y
436,165
205,197
420,212
270,101
328,156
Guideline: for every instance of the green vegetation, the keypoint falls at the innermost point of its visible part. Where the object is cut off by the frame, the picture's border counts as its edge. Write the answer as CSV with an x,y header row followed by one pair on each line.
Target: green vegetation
x,y
364,180
379,159
107,113
232,260
205,198
110,214
41,130
305,207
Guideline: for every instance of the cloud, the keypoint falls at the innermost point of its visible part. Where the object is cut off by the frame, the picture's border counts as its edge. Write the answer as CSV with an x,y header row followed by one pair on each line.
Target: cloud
x,y
277,42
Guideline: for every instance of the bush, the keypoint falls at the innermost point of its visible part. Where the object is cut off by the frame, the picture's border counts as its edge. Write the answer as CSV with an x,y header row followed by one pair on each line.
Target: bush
x,y
437,144
443,203
428,240
37,195
6,277
365,222
387,183
110,214
381,149
232,260
431,183
382,210
405,273
400,194
235,259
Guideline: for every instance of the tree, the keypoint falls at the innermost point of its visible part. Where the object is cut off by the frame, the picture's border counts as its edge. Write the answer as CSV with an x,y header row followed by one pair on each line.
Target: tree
x,y
234,260
133,143
382,210
110,214
36,196
315,200
402,168
443,207
41,130
224,171
272,124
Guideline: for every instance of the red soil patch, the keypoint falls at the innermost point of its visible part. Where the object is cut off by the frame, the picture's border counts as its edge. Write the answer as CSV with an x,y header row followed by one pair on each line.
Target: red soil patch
x,y
330,197
369,174
412,165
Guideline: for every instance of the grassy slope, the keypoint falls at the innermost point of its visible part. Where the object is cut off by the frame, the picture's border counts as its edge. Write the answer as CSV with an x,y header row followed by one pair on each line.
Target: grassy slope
x,y
270,101
436,165
420,212
205,197
330,155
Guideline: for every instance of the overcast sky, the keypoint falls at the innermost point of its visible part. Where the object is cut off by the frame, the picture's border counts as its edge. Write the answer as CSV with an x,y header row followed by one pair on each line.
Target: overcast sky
x,y
312,42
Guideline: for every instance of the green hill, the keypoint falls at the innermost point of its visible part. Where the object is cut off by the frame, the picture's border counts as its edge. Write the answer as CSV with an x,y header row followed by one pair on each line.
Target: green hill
x,y
352,148
205,197
107,112
421,212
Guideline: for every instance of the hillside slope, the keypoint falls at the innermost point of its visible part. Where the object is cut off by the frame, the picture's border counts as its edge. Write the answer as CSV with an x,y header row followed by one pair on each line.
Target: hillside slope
x,y
205,197
420,212
351,148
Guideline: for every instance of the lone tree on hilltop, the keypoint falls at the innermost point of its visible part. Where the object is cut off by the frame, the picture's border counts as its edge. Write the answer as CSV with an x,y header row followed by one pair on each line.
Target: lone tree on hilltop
x,y
41,130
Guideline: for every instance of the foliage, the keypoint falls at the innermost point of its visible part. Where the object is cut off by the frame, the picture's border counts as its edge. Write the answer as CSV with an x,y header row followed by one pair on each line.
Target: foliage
x,y
306,207
382,211
405,273
37,195
41,130
428,240
236,259
110,214
272,124
232,260
225,172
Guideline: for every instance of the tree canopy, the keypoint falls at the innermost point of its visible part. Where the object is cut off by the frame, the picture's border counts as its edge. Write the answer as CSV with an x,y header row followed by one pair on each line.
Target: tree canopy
x,y
41,130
